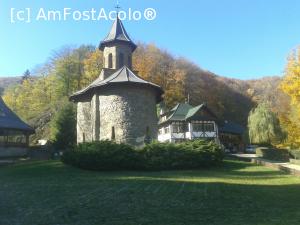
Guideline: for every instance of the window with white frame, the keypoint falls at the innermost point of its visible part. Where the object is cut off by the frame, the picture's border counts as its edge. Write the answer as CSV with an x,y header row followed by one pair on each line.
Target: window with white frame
x,y
179,127
209,127
160,131
167,130
199,126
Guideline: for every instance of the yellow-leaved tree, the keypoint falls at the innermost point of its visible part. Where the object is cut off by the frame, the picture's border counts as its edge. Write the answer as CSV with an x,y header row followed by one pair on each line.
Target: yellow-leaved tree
x,y
92,67
291,86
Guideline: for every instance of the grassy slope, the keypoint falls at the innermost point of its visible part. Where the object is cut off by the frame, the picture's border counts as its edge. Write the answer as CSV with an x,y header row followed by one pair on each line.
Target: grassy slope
x,y
238,193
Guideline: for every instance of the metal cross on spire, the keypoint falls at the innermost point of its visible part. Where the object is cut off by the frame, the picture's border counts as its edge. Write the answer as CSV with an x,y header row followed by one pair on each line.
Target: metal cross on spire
x,y
117,7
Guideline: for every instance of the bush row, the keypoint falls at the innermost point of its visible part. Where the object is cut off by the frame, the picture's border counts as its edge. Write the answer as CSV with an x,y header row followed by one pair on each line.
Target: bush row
x,y
107,155
272,153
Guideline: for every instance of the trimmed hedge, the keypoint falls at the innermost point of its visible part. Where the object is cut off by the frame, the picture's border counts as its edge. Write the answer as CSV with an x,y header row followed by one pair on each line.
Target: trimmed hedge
x,y
104,155
186,155
107,155
273,153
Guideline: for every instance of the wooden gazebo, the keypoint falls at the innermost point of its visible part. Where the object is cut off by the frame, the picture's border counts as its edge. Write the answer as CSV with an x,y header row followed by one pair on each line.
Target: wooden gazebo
x,y
14,133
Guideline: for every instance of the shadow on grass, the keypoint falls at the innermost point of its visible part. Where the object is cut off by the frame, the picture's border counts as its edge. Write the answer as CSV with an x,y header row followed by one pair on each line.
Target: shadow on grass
x,y
52,193
229,168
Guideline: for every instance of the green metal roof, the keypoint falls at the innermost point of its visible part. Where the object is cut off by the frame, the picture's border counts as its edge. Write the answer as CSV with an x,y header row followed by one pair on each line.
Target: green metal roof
x,y
183,112
193,111
186,112
180,111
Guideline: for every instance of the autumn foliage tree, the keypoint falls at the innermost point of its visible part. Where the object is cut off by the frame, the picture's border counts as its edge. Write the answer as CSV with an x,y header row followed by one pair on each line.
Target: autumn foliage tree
x,y
291,86
161,68
71,69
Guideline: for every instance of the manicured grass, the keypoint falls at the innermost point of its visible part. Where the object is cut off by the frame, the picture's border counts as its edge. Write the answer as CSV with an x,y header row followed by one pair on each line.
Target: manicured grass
x,y
44,193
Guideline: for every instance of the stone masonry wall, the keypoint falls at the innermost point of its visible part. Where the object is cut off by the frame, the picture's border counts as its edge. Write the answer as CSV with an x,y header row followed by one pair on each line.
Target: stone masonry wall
x,y
84,128
131,110
115,51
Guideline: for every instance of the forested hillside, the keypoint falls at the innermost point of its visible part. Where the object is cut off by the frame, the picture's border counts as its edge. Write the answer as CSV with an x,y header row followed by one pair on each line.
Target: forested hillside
x,y
266,89
5,82
38,100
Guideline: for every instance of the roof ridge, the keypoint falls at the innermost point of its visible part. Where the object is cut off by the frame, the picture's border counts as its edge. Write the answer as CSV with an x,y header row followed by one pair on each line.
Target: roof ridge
x,y
177,106
122,75
115,75
195,108
127,73
123,30
117,33
200,106
136,76
10,116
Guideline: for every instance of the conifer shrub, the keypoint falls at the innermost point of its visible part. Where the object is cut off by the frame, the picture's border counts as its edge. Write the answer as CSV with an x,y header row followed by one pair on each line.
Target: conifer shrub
x,y
272,153
64,128
102,155
185,155
107,155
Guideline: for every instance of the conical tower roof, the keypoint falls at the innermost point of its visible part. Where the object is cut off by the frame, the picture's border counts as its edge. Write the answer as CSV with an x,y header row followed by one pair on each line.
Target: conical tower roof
x,y
120,77
9,120
117,34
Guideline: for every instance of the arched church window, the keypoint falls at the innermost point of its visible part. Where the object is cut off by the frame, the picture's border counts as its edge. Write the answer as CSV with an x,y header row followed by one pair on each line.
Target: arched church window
x,y
110,60
121,60
113,135
129,62
83,137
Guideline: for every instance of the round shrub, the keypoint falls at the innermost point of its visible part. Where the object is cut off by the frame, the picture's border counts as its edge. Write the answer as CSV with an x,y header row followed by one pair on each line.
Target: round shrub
x,y
273,153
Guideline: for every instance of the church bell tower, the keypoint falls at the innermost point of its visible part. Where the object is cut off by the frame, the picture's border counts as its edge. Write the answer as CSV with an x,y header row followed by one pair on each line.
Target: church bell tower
x,y
117,49
119,105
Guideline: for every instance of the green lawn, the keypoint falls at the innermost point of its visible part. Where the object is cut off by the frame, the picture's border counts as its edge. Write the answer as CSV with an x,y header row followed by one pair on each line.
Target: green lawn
x,y
42,193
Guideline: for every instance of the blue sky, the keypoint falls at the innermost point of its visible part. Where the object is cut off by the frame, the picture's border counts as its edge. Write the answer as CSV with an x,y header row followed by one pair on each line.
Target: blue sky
x,y
242,39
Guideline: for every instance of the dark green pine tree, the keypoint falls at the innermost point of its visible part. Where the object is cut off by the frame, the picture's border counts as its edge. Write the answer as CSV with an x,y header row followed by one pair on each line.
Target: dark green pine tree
x,y
26,75
65,125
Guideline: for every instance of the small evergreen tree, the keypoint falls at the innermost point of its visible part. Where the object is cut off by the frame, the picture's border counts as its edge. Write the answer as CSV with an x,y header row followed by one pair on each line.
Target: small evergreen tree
x,y
264,126
26,75
65,126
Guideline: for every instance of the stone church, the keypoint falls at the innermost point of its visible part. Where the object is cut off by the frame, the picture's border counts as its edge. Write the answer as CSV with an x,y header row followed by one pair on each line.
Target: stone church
x,y
119,105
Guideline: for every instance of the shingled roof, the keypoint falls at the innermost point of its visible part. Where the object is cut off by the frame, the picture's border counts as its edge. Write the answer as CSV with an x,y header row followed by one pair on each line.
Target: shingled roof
x,y
121,76
186,112
9,120
117,34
